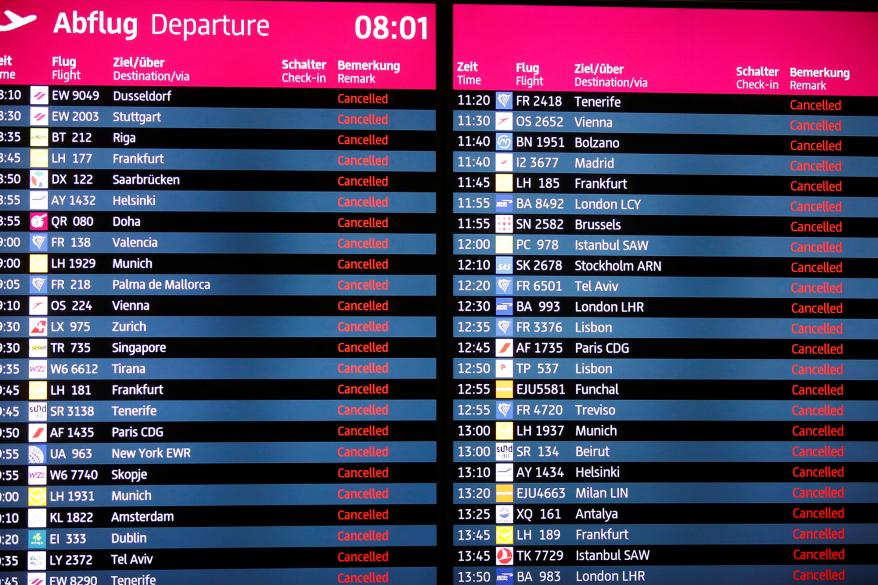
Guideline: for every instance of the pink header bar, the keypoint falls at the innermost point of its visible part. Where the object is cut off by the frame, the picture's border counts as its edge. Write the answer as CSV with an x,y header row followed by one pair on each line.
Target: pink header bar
x,y
218,44
676,50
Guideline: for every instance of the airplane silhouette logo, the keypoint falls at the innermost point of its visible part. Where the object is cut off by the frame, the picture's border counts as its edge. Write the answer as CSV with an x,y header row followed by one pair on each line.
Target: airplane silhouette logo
x,y
16,21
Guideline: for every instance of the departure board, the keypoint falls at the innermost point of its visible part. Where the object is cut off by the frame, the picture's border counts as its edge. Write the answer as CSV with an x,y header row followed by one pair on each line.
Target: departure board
x,y
218,314
452,292
665,319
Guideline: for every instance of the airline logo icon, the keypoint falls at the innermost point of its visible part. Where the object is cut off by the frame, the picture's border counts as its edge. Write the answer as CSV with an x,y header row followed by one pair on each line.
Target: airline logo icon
x,y
36,561
39,200
37,369
503,451
36,539
504,389
36,518
37,475
504,203
38,244
504,493
16,21
39,221
39,157
505,534
504,576
502,162
505,431
38,326
503,183
503,244
504,368
505,410
37,390
38,348
37,411
504,141
504,306
38,305
37,433
503,347
39,137
503,224
504,264
504,326
39,179
36,497
36,579
504,284
40,116
504,472
39,94
37,284
504,100
36,454
502,121
504,513
39,263
505,555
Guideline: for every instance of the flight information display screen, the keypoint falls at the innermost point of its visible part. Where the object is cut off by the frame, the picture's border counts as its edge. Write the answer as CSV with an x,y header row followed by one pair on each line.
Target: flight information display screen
x,y
219,316
664,288
455,293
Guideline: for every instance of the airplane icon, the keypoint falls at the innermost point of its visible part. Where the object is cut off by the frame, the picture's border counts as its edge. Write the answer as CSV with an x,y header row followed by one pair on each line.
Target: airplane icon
x,y
16,21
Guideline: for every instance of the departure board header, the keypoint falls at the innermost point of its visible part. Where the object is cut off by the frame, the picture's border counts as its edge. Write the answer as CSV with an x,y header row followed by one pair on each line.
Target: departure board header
x,y
220,44
567,48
